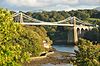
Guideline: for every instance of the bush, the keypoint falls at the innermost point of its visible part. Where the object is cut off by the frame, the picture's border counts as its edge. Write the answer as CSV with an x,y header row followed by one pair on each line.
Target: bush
x,y
88,54
10,50
17,42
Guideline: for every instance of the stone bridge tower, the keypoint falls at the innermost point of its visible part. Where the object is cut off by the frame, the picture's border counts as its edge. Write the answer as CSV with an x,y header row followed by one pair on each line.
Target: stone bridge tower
x,y
72,34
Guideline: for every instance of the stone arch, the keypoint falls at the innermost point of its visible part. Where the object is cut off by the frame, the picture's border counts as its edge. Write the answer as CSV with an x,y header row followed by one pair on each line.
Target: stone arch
x,y
86,29
79,30
82,29
90,28
82,32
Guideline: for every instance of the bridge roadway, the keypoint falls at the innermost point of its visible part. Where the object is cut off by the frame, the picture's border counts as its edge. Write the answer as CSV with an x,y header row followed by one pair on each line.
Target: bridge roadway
x,y
69,25
45,23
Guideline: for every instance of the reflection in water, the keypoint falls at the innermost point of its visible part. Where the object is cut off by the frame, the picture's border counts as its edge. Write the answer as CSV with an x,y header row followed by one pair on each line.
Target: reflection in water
x,y
65,48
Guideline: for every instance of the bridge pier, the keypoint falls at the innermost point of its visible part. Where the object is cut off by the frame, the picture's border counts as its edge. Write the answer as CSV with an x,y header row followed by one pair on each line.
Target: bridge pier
x,y
73,34
75,31
21,17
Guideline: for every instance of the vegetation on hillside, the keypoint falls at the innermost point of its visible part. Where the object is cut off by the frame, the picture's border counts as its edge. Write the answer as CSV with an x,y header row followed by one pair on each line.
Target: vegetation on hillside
x,y
88,54
18,42
60,15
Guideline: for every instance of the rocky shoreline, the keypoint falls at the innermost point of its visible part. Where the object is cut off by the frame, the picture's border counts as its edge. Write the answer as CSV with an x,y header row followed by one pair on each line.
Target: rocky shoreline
x,y
54,58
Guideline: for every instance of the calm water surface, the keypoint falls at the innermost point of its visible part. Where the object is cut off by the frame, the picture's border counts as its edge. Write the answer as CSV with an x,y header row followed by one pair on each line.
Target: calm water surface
x,y
65,48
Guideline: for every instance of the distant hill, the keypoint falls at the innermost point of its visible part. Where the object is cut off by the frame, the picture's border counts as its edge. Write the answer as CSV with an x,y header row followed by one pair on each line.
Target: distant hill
x,y
98,8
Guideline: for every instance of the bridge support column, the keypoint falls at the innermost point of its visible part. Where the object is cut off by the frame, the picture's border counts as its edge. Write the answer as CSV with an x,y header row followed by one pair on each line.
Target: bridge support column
x,y
21,18
73,34
75,31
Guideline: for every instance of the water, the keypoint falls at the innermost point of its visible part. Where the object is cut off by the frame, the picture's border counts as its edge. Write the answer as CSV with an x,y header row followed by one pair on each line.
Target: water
x,y
65,48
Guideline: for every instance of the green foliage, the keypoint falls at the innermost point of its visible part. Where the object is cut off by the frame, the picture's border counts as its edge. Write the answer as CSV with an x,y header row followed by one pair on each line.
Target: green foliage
x,y
41,36
40,30
17,42
33,42
81,14
88,54
84,42
50,16
96,14
10,50
60,15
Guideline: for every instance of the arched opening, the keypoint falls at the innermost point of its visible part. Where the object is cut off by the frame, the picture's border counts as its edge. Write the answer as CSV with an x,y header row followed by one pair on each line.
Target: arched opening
x,y
78,32
86,29
82,32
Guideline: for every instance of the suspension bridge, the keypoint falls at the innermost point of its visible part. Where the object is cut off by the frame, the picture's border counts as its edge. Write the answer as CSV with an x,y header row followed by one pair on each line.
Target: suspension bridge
x,y
73,22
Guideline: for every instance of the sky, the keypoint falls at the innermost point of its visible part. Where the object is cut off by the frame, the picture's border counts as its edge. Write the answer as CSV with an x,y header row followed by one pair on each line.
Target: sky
x,y
32,5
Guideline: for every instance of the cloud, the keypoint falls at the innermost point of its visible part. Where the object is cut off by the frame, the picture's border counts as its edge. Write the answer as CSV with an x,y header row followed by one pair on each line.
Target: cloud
x,y
29,3
70,1
59,7
90,2
40,3
48,4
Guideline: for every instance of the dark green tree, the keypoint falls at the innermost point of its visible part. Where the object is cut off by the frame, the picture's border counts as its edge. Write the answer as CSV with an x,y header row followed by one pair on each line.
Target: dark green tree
x,y
87,54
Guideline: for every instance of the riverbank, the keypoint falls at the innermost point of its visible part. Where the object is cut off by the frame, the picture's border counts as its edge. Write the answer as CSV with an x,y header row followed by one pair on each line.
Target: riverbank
x,y
54,58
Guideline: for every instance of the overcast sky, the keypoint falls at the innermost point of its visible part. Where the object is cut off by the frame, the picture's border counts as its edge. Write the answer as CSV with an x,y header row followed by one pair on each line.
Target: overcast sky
x,y
30,5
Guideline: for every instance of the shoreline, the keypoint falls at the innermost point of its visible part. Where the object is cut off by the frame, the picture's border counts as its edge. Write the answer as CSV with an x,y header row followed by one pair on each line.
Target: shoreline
x,y
56,57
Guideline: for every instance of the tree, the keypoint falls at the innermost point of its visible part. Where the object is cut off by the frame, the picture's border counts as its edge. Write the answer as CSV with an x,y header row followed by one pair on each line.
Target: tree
x,y
10,50
87,54
29,13
16,41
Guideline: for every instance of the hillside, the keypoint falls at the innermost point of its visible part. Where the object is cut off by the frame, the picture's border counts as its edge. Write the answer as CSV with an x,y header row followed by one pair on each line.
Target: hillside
x,y
98,8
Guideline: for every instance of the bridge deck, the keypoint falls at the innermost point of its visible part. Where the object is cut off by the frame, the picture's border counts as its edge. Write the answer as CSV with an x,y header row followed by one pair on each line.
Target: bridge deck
x,y
47,24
